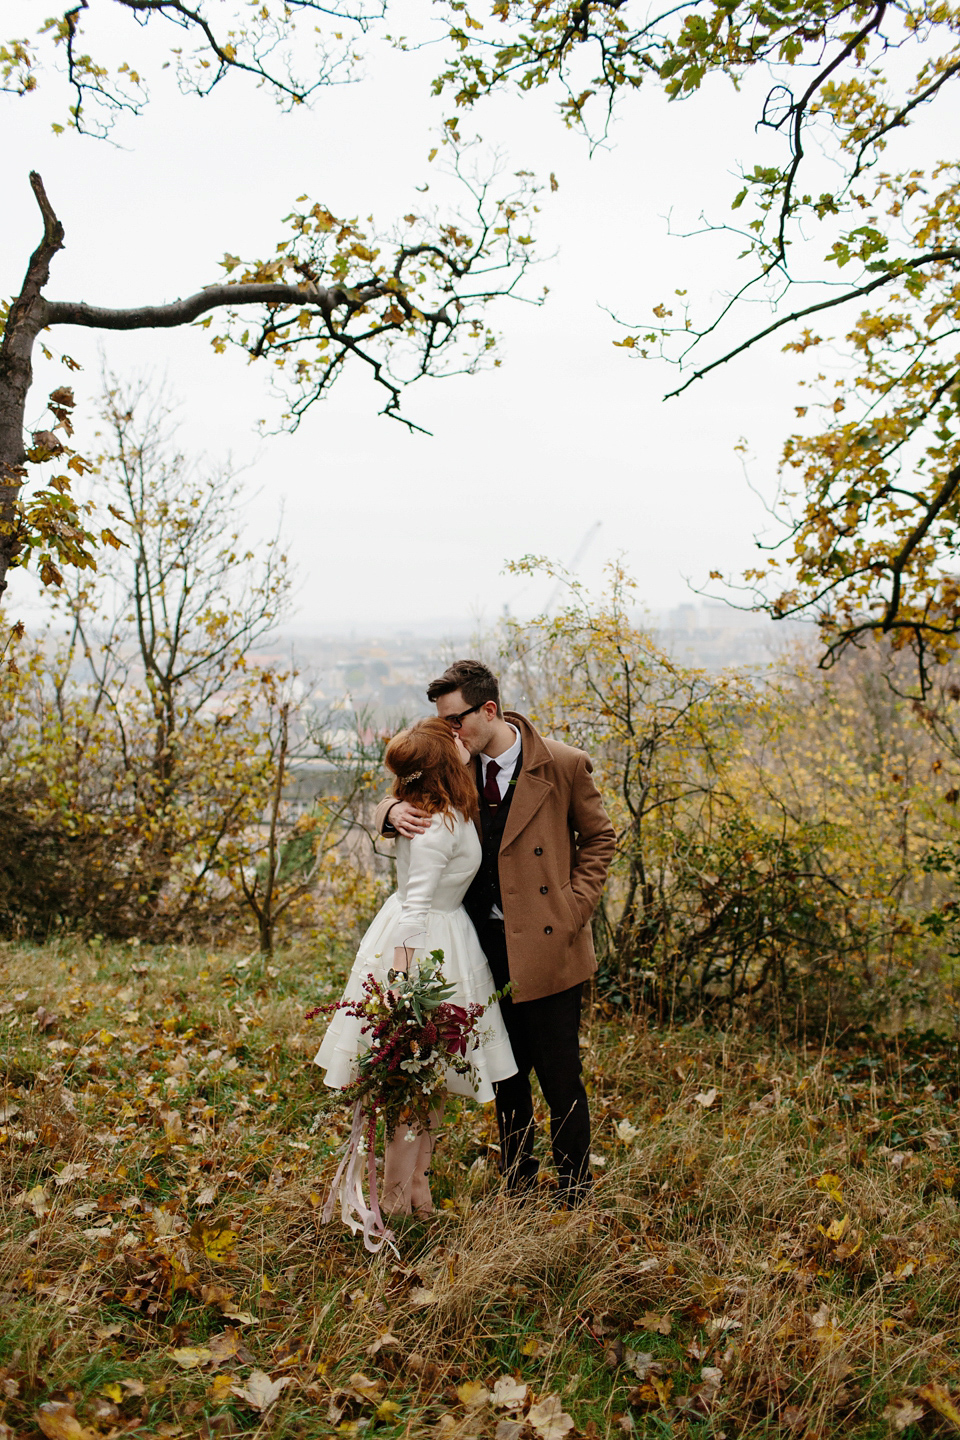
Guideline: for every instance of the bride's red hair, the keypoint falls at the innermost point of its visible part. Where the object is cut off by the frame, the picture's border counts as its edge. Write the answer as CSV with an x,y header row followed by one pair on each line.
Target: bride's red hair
x,y
428,769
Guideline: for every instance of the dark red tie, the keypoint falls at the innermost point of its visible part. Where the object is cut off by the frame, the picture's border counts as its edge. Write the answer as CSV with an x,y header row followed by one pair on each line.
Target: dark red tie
x,y
491,790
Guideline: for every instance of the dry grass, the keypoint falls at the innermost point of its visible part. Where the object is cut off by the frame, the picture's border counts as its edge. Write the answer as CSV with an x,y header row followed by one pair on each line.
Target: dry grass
x,y
772,1249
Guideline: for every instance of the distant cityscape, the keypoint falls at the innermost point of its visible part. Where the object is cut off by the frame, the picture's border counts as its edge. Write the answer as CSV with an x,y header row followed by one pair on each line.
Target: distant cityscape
x,y
387,674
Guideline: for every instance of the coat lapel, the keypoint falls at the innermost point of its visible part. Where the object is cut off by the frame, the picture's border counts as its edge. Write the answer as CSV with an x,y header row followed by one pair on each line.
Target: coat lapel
x,y
529,795
532,787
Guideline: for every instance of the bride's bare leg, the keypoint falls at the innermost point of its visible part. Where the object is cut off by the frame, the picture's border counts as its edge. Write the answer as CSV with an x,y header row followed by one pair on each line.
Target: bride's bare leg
x,y
400,1161
420,1197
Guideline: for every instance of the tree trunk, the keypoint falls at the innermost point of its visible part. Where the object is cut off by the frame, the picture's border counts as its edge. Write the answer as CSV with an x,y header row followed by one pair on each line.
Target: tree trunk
x,y
26,319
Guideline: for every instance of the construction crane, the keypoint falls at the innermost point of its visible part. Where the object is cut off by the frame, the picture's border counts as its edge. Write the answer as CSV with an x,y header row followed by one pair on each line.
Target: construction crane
x,y
581,551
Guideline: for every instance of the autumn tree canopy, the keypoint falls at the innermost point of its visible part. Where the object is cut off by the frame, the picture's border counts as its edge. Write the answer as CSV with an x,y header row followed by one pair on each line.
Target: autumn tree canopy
x,y
292,50
404,304
871,479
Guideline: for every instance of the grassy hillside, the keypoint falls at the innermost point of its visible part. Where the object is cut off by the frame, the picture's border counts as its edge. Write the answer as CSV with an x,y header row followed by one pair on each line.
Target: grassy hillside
x,y
773,1249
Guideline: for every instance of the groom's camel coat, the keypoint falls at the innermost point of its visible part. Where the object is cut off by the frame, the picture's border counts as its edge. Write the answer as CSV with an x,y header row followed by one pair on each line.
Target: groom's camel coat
x,y
556,849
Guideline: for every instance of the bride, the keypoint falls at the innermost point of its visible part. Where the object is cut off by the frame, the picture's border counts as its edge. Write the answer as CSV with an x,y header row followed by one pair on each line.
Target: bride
x,y
426,913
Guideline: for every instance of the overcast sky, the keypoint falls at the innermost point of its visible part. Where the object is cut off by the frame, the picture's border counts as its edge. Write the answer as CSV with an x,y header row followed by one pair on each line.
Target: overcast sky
x,y
387,528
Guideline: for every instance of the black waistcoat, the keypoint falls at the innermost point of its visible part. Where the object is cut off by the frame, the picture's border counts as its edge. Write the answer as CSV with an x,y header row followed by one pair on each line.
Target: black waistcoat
x,y
484,890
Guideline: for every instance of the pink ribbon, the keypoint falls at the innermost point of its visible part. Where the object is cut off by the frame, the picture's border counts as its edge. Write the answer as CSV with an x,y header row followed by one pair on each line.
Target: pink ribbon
x,y
348,1188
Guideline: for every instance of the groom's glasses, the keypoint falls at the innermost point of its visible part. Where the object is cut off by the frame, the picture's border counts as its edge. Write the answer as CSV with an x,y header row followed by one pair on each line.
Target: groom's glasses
x,y
455,721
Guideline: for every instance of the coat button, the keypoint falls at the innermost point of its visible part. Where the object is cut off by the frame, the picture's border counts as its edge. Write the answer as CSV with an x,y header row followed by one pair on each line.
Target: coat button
x,y
539,850
548,929
543,889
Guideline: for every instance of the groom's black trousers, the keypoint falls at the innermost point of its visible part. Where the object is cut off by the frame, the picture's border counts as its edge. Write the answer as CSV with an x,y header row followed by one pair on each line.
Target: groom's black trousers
x,y
545,1038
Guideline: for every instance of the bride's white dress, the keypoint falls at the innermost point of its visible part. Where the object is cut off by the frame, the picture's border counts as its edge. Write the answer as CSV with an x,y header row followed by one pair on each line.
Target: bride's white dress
x,y
426,913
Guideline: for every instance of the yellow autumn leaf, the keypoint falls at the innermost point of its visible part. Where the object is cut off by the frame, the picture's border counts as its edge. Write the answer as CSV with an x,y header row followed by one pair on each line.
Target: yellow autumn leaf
x,y
534,1347
472,1394
218,1241
221,1388
58,1421
831,1184
836,1229
938,1396
192,1357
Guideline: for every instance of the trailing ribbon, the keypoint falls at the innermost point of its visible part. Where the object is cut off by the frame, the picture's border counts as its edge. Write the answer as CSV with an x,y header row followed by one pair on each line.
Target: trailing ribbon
x,y
348,1187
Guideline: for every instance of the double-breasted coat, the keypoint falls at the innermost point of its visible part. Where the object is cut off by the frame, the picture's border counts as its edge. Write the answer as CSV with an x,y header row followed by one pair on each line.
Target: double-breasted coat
x,y
557,845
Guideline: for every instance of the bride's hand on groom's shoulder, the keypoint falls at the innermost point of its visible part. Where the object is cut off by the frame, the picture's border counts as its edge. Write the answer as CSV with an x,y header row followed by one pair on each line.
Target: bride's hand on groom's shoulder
x,y
407,820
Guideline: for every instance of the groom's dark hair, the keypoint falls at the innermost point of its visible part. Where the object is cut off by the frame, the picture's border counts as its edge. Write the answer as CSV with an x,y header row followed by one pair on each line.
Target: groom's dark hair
x,y
475,681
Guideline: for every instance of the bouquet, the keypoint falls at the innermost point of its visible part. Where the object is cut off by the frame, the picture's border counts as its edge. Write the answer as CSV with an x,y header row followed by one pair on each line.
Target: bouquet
x,y
416,1034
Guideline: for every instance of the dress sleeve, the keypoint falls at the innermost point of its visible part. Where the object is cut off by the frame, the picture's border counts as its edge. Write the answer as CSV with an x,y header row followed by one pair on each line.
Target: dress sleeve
x,y
430,853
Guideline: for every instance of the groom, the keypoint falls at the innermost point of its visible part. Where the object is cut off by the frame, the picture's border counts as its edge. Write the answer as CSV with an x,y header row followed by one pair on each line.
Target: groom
x,y
547,844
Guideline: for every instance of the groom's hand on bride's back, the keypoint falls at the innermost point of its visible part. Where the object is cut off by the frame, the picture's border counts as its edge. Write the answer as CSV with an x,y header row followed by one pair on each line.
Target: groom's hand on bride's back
x,y
405,819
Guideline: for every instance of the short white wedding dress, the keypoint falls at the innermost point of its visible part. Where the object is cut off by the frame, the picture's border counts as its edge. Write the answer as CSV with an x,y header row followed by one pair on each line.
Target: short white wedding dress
x,y
426,913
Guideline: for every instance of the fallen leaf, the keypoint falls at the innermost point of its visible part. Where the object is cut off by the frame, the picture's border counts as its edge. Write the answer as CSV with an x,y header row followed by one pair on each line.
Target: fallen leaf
x,y
260,1391
73,1171
656,1324
549,1419
104,1411
707,1097
625,1131
192,1357
113,1392
224,1346
386,1341
472,1394
39,1204
508,1394
642,1363
221,1389
938,1396
613,1353
508,1430
58,1421
216,1295
654,1391
242,1317
207,1195
421,1296
903,1412
217,1240
388,1410
831,1184
534,1347
363,1388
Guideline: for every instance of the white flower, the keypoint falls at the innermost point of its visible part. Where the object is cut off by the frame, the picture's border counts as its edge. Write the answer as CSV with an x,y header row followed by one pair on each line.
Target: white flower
x,y
410,1138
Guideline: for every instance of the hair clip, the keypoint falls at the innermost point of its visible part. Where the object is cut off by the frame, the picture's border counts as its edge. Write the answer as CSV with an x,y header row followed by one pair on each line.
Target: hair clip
x,y
406,779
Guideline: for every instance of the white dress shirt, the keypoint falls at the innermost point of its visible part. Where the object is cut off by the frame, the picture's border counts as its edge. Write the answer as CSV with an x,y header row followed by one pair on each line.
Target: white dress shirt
x,y
507,763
